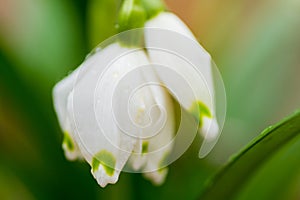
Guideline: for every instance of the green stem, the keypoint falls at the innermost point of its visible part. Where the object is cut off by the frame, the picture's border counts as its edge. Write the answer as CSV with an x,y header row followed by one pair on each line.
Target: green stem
x,y
132,15
153,7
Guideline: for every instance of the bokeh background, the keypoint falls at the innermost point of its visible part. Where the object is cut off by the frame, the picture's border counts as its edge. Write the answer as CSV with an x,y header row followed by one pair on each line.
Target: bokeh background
x,y
255,44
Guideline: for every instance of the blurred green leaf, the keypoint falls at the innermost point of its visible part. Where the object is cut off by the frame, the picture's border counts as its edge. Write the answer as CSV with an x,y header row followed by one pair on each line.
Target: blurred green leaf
x,y
102,18
274,155
278,174
43,40
258,55
9,184
265,63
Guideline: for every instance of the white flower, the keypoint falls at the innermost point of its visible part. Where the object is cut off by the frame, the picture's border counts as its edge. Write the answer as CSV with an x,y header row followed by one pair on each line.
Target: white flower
x,y
112,129
84,138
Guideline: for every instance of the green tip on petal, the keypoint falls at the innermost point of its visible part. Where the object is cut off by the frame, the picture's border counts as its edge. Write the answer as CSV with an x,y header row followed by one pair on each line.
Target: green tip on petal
x,y
200,110
145,146
106,160
163,163
68,142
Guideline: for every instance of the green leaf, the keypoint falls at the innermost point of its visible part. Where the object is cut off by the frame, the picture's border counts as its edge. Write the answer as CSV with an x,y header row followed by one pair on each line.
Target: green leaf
x,y
277,174
274,155
43,40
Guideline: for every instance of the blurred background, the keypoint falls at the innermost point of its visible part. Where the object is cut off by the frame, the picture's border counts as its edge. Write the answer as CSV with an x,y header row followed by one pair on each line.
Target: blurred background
x,y
255,44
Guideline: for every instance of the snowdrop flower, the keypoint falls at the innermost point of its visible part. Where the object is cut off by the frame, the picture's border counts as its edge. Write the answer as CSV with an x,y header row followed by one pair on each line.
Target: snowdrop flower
x,y
82,137
116,110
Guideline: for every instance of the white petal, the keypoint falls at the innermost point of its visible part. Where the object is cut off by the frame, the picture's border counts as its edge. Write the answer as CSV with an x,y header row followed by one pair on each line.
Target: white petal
x,y
182,64
167,20
160,146
154,111
99,98
61,93
141,105
157,177
210,125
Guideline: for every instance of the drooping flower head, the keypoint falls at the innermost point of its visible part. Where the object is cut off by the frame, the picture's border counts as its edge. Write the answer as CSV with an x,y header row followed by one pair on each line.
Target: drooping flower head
x,y
118,109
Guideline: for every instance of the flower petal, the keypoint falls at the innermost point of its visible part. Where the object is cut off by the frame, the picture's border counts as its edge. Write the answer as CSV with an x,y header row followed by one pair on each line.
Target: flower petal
x,y
158,148
191,82
169,21
99,99
61,93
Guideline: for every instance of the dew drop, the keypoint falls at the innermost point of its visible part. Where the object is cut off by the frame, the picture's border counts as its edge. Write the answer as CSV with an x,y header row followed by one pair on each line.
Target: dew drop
x,y
98,49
